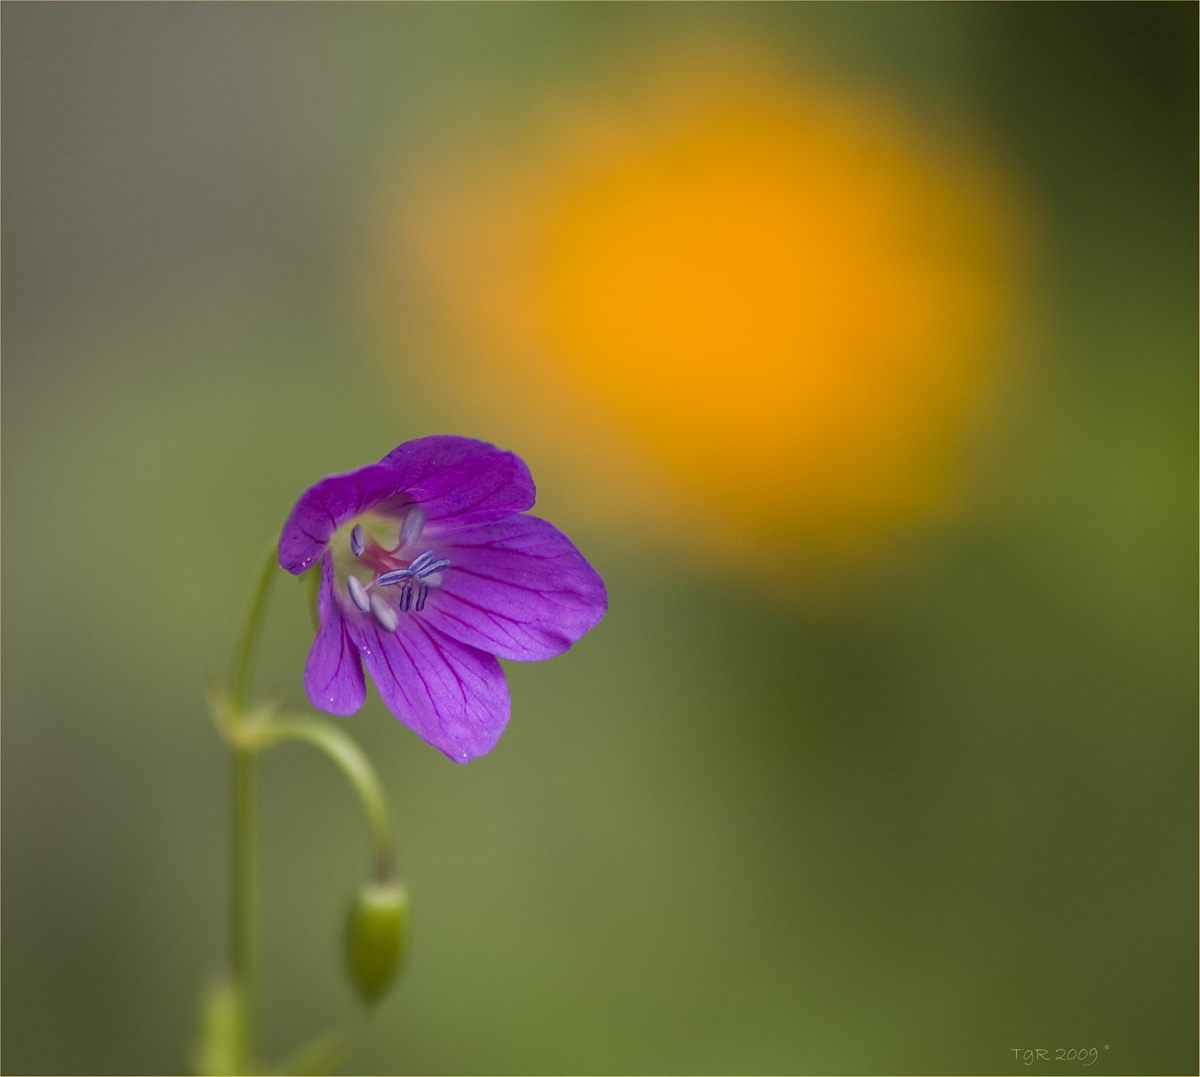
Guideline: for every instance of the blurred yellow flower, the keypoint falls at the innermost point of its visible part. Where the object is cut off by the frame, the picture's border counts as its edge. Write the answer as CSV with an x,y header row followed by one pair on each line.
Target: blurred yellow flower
x,y
729,311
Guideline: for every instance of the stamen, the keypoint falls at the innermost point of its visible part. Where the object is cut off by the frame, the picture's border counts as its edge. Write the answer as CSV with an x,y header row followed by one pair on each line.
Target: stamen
x,y
357,545
425,565
414,524
422,559
358,593
405,598
422,594
386,579
383,613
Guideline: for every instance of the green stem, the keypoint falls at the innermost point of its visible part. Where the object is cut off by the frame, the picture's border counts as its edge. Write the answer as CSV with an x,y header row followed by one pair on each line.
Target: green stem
x,y
239,683
245,817
356,767
245,894
248,734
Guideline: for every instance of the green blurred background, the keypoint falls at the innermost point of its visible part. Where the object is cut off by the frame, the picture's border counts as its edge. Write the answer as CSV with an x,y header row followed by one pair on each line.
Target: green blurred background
x,y
906,833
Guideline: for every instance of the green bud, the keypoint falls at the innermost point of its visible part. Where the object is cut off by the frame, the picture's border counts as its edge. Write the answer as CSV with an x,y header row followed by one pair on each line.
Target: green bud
x,y
377,938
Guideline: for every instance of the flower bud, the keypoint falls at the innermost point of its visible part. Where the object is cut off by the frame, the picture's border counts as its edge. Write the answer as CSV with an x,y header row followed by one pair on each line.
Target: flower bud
x,y
377,938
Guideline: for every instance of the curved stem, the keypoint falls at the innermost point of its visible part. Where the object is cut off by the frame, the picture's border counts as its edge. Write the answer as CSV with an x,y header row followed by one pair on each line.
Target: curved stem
x,y
239,684
248,733
354,764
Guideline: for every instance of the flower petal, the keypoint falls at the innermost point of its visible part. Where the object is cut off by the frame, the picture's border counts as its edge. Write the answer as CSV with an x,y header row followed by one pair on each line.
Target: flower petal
x,y
333,675
328,504
453,476
515,587
452,696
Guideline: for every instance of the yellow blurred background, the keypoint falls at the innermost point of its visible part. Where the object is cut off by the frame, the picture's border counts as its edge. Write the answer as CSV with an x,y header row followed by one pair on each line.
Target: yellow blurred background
x,y
752,315
855,345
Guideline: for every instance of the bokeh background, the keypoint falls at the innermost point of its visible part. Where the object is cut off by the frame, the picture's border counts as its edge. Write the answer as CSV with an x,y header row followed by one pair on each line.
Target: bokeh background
x,y
854,344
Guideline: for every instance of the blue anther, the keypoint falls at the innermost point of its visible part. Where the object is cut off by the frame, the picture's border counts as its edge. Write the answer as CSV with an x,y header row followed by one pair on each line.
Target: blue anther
x,y
422,594
357,545
421,560
406,595
358,593
426,564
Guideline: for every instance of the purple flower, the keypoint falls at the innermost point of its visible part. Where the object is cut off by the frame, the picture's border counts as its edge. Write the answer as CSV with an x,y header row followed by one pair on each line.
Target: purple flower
x,y
429,570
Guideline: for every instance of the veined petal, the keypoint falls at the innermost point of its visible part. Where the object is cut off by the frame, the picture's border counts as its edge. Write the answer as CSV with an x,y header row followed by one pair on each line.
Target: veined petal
x,y
452,696
460,477
328,504
515,587
333,675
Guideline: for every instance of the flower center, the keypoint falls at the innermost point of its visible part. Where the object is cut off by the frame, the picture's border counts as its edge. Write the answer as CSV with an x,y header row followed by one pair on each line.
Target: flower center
x,y
400,576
